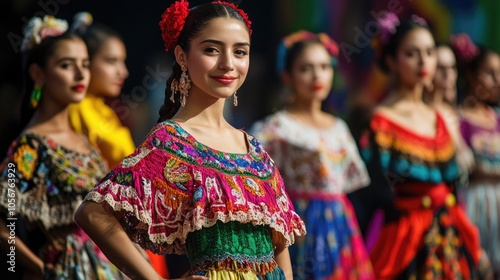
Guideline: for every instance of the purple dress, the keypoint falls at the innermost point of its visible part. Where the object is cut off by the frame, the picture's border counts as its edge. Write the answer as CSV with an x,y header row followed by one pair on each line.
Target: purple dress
x,y
482,197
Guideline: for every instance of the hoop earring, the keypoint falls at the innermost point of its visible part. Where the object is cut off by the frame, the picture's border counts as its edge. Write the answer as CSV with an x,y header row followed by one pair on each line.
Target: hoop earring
x,y
36,94
184,85
235,99
174,86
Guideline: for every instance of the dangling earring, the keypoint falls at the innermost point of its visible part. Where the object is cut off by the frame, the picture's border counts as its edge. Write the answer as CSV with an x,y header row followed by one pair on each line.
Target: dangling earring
x,y
173,88
235,99
429,87
184,85
36,94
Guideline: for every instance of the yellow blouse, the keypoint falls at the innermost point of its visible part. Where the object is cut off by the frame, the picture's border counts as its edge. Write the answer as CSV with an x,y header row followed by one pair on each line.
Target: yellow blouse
x,y
104,129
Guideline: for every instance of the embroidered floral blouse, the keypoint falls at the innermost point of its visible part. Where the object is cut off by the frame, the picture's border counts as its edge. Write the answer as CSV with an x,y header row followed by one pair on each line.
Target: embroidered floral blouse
x,y
313,160
173,185
49,181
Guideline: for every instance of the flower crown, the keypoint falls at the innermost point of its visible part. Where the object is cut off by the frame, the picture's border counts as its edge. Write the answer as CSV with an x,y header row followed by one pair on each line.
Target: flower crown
x,y
465,49
303,35
388,24
173,20
38,29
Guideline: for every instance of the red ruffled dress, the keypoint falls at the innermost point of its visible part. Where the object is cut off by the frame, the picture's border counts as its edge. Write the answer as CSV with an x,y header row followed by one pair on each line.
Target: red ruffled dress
x,y
426,235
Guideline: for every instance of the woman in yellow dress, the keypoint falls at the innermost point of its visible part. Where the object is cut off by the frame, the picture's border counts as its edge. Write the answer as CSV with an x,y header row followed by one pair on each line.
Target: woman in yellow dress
x,y
93,116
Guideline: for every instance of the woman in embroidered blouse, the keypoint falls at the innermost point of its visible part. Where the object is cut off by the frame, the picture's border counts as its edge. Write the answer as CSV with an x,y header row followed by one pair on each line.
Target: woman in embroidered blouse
x,y
319,162
50,168
197,185
410,151
480,127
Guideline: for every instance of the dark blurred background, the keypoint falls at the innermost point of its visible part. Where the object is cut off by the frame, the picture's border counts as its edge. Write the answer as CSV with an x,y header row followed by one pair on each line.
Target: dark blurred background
x,y
349,22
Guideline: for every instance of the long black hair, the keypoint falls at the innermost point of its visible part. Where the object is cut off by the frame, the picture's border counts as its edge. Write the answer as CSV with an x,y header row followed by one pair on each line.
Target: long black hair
x,y
197,19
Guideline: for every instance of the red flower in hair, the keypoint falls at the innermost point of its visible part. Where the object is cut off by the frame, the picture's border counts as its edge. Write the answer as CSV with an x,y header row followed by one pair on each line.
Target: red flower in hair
x,y
172,22
464,47
240,11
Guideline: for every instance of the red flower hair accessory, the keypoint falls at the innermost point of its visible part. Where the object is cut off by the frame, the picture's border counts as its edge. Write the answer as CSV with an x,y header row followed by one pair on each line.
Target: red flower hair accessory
x,y
464,47
240,11
172,22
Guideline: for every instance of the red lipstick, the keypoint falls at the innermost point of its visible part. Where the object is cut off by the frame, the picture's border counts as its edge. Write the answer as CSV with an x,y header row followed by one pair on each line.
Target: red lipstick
x,y
226,80
423,73
78,88
317,87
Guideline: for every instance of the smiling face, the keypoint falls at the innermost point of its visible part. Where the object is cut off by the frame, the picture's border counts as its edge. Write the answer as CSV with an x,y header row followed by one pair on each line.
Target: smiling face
x,y
218,57
66,74
415,59
108,68
311,73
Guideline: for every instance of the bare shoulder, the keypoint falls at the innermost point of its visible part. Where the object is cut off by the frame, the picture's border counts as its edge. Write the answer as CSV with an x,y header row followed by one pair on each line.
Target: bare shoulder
x,y
385,110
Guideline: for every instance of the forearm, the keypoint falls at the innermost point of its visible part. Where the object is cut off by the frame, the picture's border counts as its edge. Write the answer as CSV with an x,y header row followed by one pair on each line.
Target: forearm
x,y
23,254
109,235
283,259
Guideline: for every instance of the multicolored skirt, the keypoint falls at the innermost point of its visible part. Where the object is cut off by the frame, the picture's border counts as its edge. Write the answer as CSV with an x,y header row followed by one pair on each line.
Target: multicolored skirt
x,y
431,239
81,259
482,205
333,247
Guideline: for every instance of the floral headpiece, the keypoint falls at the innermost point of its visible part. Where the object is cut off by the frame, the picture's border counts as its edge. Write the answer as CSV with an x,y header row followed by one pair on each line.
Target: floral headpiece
x,y
464,47
418,20
173,20
387,26
37,29
81,21
303,35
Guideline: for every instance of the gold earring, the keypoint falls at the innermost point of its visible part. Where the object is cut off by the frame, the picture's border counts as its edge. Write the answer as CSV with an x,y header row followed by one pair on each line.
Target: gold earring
x,y
184,85
36,94
235,99
173,88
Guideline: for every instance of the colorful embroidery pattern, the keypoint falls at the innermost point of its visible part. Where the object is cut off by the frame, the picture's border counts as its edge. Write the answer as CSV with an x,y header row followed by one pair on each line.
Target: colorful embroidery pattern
x,y
430,237
319,166
178,185
482,197
51,183
411,156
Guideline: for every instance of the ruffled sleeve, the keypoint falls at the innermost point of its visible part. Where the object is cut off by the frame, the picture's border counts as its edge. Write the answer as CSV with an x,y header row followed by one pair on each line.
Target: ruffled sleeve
x,y
169,187
357,173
